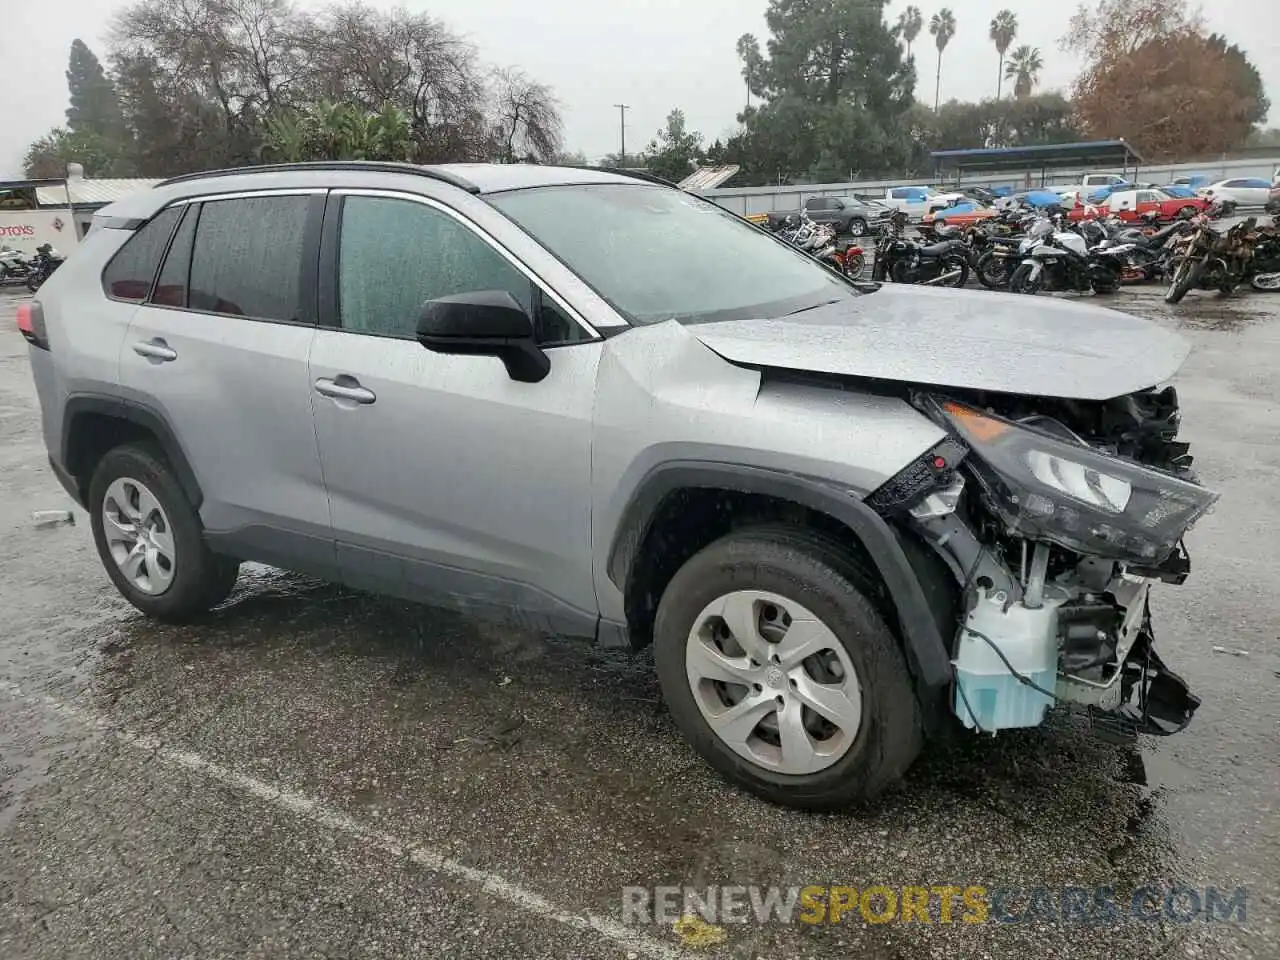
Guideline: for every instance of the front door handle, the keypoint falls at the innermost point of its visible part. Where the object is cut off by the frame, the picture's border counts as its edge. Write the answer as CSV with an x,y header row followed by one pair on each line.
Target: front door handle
x,y
349,390
155,349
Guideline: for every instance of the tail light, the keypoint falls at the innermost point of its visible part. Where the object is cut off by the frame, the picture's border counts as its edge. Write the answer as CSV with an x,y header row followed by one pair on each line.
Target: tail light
x,y
31,324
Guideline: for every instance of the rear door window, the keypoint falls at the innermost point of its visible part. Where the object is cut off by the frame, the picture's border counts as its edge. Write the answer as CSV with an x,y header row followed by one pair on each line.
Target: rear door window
x,y
129,273
247,257
171,287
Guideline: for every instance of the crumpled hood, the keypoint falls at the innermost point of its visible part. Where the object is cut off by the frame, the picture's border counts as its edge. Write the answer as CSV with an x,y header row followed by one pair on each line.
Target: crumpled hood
x,y
1039,346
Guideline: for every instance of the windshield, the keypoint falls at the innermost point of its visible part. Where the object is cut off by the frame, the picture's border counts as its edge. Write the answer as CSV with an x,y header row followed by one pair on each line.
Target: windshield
x,y
659,254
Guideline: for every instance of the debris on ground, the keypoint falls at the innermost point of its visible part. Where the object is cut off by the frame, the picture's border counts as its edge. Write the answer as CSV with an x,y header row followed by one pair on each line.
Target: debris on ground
x,y
51,518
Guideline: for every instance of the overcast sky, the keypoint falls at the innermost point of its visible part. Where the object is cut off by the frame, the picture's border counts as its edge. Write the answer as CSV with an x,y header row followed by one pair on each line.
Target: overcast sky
x,y
651,54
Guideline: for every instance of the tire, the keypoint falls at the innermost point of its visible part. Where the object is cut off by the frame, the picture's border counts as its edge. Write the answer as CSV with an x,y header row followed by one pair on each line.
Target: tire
x,y
854,266
951,264
993,271
858,227
1106,285
1021,282
812,572
197,578
1185,277
1265,282
1187,212
33,282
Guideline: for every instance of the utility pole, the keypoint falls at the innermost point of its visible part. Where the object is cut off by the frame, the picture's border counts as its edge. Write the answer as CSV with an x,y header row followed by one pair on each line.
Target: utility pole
x,y
622,125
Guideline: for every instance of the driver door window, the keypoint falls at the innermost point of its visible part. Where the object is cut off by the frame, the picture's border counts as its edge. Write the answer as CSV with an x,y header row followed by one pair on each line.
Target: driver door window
x,y
396,254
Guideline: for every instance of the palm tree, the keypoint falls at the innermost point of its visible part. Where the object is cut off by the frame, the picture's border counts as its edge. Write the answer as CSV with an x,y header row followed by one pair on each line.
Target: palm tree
x,y
909,23
1003,29
1023,69
943,27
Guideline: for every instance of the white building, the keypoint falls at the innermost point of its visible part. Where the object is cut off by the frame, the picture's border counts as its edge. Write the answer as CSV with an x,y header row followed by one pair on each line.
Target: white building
x,y
56,211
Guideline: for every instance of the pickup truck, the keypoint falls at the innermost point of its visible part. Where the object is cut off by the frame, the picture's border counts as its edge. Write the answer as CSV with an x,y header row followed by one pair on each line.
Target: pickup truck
x,y
851,215
915,202
1130,204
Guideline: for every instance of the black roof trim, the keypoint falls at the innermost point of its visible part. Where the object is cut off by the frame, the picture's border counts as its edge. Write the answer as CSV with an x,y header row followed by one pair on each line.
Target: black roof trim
x,y
366,166
636,175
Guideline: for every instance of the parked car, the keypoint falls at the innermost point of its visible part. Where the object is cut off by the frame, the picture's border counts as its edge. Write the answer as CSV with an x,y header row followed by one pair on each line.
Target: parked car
x,y
1194,181
850,215
1247,191
962,214
1273,200
1179,190
915,202
1134,205
1039,199
839,515
1088,182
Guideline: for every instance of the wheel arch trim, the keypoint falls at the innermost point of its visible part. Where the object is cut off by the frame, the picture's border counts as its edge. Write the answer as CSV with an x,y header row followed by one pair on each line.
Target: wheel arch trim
x,y
141,415
924,645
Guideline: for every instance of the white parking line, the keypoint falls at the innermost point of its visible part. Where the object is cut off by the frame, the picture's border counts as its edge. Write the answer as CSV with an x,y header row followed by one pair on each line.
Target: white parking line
x,y
633,941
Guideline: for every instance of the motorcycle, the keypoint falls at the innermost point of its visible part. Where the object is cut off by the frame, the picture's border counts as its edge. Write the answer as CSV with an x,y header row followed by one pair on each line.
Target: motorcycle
x,y
819,241
943,264
1207,259
1056,259
1264,267
14,268
1145,253
42,267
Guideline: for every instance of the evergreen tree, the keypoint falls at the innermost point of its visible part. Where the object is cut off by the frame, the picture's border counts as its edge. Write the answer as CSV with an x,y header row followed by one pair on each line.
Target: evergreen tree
x,y
95,108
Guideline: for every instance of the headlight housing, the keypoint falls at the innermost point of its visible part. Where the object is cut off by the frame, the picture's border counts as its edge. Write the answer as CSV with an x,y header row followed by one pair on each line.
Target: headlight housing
x,y
1047,488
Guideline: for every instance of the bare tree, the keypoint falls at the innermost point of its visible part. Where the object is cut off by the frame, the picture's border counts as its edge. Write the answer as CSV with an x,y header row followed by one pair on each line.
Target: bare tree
x,y
528,124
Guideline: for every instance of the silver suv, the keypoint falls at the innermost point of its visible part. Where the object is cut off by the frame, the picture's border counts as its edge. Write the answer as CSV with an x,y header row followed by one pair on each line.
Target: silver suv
x,y
847,517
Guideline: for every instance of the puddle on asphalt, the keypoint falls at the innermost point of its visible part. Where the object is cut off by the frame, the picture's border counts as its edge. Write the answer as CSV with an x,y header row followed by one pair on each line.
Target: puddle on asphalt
x,y
390,663
1202,310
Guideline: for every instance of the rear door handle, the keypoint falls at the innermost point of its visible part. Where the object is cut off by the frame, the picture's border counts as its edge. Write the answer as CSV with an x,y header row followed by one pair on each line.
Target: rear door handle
x,y
155,349
350,390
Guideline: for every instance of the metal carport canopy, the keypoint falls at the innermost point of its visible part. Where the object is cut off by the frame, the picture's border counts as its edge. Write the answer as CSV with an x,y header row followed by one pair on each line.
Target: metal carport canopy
x,y
1045,156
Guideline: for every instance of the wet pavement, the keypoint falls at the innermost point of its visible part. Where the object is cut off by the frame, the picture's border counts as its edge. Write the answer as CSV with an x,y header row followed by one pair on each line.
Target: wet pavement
x,y
317,772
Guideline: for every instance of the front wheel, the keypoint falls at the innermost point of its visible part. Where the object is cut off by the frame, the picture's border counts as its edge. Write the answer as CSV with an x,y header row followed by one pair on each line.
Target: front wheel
x,y
150,540
853,266
1185,276
1023,280
993,271
33,282
782,674
1266,282
858,228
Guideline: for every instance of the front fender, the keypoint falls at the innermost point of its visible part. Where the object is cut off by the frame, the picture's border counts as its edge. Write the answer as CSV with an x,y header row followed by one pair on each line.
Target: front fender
x,y
923,641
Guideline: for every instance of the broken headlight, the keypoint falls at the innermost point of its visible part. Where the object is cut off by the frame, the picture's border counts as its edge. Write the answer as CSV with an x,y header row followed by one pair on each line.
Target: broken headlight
x,y
1047,487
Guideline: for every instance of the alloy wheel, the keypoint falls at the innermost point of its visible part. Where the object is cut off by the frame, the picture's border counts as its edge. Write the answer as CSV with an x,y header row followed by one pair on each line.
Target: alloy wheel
x,y
139,536
773,682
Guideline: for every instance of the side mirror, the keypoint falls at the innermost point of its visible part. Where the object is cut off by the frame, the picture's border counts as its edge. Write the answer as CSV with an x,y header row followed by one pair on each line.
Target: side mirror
x,y
485,323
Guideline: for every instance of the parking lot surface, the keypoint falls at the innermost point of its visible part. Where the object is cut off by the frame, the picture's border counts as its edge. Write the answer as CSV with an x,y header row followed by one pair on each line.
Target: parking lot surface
x,y
318,772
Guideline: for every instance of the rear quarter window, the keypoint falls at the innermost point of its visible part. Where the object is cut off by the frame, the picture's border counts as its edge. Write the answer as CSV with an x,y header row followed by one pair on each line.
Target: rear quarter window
x,y
128,275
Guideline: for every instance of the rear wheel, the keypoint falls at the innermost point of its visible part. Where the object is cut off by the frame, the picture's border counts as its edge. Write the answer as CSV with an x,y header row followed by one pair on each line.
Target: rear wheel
x,y
958,267
1187,212
857,227
1022,280
782,674
1185,276
1266,282
150,540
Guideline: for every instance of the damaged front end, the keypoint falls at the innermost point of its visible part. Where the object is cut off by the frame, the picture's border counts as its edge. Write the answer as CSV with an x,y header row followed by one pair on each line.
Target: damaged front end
x,y
1055,517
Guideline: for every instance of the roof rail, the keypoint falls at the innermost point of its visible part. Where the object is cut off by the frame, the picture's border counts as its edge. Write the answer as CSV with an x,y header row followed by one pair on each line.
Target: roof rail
x,y
368,166
636,175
